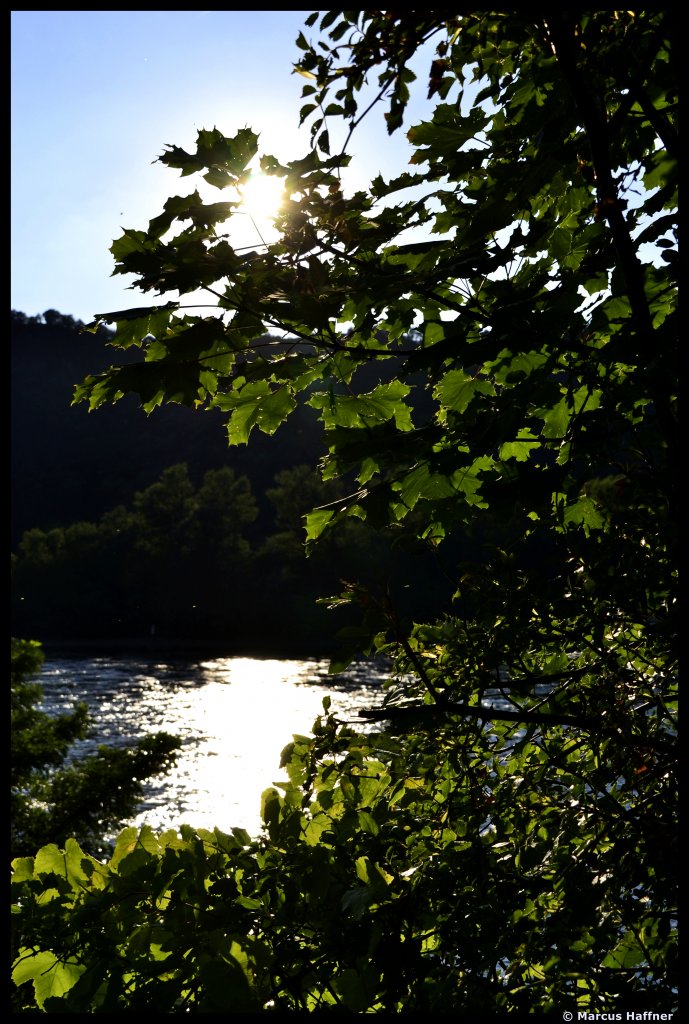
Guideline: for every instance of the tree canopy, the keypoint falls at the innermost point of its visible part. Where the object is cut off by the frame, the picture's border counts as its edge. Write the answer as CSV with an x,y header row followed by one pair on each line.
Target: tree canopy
x,y
505,839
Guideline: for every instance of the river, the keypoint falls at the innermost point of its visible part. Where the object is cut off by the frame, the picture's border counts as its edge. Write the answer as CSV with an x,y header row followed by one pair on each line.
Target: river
x,y
233,715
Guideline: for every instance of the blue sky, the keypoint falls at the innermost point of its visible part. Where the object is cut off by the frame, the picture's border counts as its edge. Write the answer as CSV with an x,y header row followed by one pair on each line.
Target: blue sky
x,y
96,96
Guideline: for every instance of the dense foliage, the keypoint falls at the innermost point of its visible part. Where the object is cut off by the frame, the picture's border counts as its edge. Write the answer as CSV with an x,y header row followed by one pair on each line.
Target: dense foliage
x,y
55,797
508,839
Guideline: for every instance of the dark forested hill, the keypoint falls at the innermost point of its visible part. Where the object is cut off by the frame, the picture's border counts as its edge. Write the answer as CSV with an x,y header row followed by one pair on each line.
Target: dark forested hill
x,y
70,465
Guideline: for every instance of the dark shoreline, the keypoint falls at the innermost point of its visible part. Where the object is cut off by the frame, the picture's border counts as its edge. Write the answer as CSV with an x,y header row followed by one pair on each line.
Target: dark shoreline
x,y
132,646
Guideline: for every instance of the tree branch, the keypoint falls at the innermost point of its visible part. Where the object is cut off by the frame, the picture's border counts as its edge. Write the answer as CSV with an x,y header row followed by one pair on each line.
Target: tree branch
x,y
482,712
489,714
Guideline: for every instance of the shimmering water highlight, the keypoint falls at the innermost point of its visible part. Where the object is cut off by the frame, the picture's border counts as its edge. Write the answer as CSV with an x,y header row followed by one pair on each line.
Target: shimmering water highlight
x,y
233,715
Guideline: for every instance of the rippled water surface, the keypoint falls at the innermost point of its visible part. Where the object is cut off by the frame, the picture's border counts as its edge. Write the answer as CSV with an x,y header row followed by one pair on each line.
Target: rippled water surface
x,y
233,715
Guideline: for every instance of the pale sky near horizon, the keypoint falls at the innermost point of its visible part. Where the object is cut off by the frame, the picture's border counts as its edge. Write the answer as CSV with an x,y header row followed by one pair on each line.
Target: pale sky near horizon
x,y
96,96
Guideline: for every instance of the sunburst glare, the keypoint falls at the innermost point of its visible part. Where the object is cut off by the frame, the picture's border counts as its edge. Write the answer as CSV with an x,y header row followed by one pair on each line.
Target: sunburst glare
x,y
261,198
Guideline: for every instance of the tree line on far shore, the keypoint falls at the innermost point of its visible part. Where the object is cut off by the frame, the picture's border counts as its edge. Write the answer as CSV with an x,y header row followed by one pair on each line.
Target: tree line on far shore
x,y
185,560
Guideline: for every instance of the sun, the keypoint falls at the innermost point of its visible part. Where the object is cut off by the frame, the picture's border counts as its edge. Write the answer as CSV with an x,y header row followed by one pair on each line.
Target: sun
x,y
261,198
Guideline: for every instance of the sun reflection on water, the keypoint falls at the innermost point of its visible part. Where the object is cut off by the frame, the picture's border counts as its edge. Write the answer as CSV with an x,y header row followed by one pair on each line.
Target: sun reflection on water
x,y
234,716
